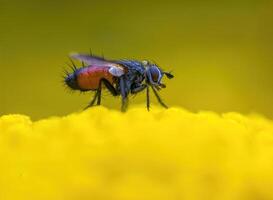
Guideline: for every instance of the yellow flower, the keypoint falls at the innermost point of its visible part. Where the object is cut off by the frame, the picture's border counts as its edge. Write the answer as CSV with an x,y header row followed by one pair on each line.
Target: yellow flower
x,y
163,155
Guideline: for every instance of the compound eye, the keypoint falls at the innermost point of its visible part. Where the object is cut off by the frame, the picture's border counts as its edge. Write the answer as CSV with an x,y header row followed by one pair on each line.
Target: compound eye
x,y
156,74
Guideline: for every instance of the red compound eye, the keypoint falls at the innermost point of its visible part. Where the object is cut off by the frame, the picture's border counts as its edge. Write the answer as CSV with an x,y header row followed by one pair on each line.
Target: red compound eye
x,y
155,74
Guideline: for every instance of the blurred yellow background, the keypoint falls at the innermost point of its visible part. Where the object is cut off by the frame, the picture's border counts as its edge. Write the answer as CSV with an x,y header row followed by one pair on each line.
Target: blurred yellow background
x,y
219,51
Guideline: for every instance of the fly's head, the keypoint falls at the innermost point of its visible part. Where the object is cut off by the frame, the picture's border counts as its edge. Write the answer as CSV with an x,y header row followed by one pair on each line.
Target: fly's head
x,y
154,74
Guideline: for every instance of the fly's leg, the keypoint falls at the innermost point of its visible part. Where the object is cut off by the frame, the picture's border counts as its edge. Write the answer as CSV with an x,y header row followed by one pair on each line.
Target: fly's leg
x,y
124,98
110,87
158,98
99,93
97,96
148,98
93,101
138,89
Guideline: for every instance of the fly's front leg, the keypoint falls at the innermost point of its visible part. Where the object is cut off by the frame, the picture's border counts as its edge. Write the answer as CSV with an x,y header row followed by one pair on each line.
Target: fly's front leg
x,y
158,98
138,89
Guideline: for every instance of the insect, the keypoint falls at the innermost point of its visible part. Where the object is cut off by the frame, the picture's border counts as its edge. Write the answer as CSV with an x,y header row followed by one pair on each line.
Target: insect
x,y
120,77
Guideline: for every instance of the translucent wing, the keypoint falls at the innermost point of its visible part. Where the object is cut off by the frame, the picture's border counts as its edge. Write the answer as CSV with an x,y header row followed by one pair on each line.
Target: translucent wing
x,y
90,59
115,68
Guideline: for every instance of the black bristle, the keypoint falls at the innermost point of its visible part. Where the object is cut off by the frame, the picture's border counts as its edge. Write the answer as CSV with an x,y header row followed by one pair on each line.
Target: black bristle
x,y
70,66
65,72
74,66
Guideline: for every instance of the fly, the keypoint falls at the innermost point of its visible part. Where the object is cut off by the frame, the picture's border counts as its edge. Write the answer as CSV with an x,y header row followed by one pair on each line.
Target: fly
x,y
120,77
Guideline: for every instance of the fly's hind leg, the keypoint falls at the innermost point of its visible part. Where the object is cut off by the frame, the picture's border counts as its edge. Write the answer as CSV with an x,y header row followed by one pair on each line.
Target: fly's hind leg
x,y
99,93
97,96
93,100
138,88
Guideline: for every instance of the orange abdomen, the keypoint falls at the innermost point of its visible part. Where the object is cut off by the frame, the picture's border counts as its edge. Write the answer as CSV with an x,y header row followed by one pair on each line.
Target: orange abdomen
x,y
89,78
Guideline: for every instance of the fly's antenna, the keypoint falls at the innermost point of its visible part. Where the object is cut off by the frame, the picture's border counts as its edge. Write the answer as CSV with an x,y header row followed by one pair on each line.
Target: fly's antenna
x,y
169,74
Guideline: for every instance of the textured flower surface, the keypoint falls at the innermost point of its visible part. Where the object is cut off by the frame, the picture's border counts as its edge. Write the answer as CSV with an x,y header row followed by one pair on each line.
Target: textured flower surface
x,y
163,154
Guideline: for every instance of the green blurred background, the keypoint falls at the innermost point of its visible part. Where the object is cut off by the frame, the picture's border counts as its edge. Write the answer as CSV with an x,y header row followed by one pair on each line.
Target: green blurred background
x,y
219,51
